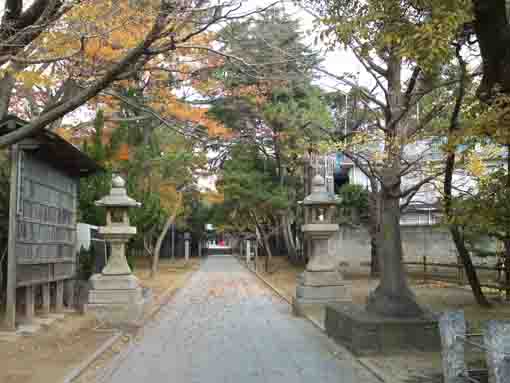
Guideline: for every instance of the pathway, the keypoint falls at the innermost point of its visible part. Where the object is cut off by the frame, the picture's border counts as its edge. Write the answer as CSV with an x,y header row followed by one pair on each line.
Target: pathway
x,y
225,326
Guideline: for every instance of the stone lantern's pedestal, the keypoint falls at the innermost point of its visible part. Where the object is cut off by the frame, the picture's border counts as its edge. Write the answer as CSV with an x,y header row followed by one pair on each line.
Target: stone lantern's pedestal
x,y
115,295
117,299
321,283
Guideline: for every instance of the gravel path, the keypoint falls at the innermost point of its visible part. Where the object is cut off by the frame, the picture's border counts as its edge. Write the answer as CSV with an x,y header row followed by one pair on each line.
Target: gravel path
x,y
225,326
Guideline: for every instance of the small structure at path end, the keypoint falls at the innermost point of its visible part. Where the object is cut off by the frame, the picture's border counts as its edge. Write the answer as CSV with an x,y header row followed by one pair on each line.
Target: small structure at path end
x,y
116,297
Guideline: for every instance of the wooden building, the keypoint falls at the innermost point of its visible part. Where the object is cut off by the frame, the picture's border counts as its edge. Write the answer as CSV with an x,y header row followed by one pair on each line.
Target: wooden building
x,y
41,258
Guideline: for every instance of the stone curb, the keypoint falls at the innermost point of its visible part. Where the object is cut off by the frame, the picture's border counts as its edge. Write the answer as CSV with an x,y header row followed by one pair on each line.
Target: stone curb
x,y
165,298
85,364
376,372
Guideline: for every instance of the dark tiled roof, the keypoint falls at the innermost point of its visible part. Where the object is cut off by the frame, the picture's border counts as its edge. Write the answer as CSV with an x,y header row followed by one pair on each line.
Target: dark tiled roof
x,y
55,150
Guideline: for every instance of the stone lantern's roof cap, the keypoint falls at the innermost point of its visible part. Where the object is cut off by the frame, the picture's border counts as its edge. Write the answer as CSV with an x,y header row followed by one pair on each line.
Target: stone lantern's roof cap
x,y
118,196
320,194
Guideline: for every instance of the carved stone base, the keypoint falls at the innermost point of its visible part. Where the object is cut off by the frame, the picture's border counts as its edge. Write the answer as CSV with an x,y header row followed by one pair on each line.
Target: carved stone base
x,y
102,282
367,333
117,300
318,288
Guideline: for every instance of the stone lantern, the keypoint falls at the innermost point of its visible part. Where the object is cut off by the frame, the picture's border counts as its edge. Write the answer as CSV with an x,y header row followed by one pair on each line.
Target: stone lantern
x,y
321,282
115,295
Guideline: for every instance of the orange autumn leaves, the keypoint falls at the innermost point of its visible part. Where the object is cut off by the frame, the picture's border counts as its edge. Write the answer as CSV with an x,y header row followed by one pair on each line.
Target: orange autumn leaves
x,y
166,103
110,28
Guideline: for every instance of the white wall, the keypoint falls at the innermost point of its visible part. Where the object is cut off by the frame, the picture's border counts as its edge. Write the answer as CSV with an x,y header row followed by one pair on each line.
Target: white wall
x,y
83,236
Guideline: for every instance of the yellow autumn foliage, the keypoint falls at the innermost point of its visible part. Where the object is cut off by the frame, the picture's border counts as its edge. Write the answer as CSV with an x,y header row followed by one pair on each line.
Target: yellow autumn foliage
x,y
475,165
30,78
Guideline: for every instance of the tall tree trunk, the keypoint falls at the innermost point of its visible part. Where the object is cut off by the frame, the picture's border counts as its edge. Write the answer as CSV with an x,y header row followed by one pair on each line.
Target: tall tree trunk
x,y
264,240
392,297
374,258
159,242
289,240
458,238
506,243
170,220
267,249
493,34
374,225
469,268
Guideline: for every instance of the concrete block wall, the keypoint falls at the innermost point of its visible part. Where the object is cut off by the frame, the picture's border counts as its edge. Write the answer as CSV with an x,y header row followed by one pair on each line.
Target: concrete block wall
x,y
353,247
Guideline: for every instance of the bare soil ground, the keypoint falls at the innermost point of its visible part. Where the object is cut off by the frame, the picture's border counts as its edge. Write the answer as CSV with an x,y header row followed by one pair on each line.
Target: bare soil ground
x,y
438,296
54,351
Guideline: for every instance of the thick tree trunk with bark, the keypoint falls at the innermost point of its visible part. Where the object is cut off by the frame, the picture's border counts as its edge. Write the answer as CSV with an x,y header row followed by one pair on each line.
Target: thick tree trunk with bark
x,y
373,226
493,34
393,297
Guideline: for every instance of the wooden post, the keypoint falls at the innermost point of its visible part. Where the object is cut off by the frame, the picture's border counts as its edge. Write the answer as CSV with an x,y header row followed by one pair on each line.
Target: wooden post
x,y
452,326
59,296
497,341
10,310
256,248
46,298
248,251
29,303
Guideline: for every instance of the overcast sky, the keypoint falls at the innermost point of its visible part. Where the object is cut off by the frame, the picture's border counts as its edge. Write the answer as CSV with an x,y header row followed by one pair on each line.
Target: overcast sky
x,y
337,62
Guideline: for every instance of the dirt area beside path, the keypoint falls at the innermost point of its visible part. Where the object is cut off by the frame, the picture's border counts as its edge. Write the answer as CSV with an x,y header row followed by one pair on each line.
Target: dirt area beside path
x,y
438,296
56,350
281,274
52,352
